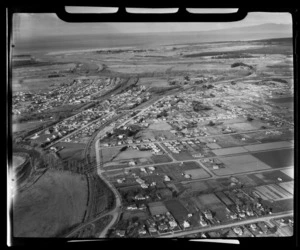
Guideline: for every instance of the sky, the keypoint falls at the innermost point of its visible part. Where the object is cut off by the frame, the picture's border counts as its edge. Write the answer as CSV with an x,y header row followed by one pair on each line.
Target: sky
x,y
36,25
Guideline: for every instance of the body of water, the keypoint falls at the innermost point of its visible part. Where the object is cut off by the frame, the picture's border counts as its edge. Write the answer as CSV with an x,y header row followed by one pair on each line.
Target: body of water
x,y
86,42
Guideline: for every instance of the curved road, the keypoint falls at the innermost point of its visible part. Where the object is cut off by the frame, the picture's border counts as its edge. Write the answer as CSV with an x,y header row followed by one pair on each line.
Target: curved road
x,y
116,211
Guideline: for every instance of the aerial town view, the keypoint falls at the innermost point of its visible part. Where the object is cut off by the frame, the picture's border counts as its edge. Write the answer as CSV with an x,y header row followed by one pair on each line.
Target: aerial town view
x,y
180,132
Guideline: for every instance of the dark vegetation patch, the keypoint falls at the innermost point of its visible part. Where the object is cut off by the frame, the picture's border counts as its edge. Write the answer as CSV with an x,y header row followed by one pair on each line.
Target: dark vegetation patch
x,y
240,64
276,49
162,90
199,106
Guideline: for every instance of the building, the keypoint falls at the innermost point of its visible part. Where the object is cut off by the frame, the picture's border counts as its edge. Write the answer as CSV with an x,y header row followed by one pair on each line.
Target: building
x,y
121,233
185,224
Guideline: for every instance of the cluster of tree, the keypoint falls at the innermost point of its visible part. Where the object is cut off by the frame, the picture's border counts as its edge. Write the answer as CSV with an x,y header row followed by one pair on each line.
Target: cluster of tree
x,y
198,106
162,90
130,131
164,113
238,64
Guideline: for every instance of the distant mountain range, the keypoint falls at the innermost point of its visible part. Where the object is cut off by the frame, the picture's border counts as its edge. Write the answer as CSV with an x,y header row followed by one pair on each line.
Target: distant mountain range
x,y
263,28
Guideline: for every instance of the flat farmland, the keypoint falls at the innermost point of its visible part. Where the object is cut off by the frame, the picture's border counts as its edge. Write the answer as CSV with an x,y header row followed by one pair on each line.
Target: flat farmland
x,y
177,210
277,158
283,135
198,173
229,151
189,165
228,141
207,200
245,126
213,203
130,154
224,198
160,126
240,164
281,205
160,158
176,171
71,150
157,208
289,172
288,186
266,146
273,176
273,192
140,214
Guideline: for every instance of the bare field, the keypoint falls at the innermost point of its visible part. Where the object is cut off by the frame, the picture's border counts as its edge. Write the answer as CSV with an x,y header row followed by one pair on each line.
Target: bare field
x,y
56,202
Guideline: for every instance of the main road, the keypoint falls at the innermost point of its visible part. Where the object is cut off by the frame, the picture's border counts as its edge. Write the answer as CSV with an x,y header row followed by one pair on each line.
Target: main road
x,y
218,227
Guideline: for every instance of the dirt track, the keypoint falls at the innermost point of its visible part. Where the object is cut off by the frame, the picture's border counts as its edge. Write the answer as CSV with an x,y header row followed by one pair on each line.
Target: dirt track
x,y
56,202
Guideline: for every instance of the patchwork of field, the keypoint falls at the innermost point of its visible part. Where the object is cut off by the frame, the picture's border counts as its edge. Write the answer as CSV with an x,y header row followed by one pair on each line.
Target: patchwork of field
x,y
224,198
270,177
288,186
272,192
251,148
240,164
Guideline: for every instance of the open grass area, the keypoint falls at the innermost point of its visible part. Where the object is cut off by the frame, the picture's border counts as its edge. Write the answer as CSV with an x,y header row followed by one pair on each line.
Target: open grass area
x,y
197,173
130,154
157,208
16,127
240,164
17,161
56,202
160,126
277,158
71,150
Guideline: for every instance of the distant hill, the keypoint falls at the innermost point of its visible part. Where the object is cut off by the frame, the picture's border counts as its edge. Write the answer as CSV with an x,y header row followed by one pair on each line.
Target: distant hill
x,y
287,40
263,28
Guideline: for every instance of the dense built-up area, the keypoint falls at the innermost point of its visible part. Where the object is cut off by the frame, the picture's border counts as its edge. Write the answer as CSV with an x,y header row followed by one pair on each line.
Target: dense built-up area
x,y
189,144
